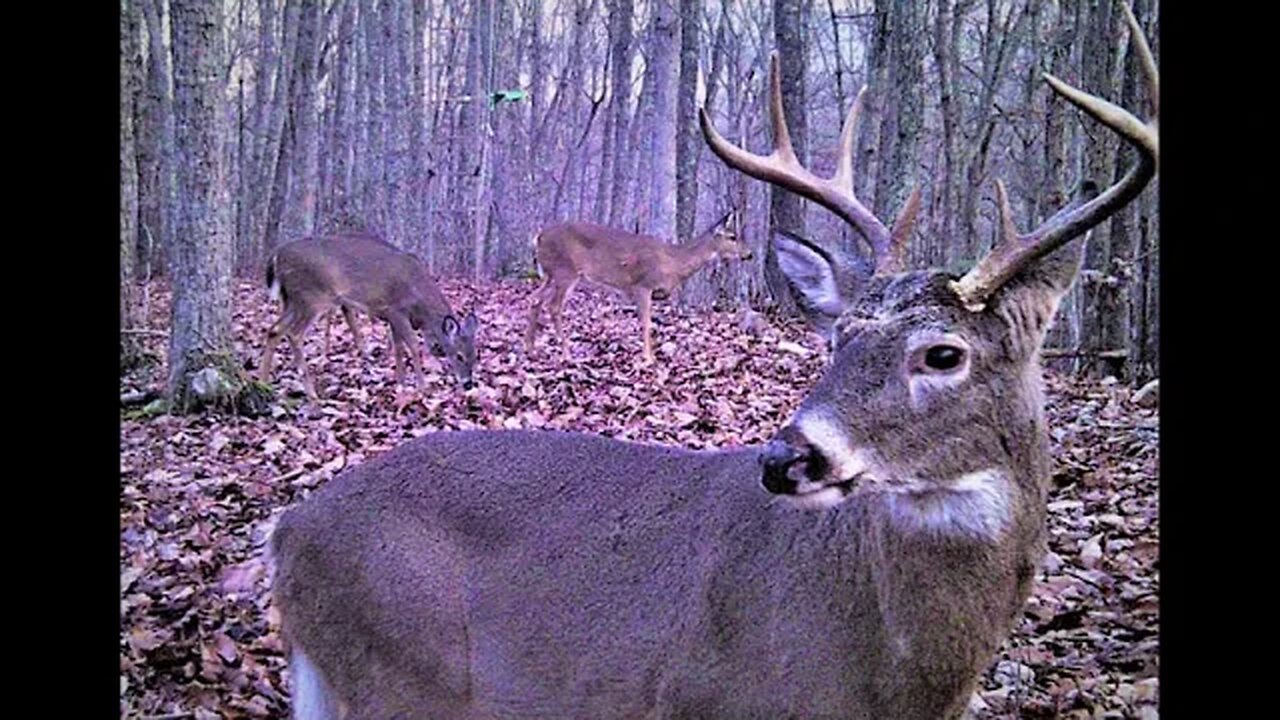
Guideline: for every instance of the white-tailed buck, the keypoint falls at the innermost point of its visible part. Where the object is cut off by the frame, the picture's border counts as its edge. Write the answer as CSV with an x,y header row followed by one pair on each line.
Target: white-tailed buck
x,y
642,266
361,272
866,563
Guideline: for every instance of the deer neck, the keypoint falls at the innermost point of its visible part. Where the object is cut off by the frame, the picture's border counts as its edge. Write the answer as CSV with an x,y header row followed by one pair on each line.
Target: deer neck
x,y
690,257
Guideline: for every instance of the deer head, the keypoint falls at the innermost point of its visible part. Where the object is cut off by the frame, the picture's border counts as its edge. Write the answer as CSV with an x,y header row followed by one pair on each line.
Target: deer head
x,y
726,240
921,356
453,342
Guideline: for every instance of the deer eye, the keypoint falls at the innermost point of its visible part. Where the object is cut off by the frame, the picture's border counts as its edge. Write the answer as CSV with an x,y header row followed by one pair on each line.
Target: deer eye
x,y
942,358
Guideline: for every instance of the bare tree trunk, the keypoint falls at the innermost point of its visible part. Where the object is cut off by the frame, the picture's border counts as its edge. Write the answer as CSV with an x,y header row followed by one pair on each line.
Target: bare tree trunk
x,y
342,147
620,18
244,160
267,76
200,260
1099,166
397,67
946,48
786,208
688,138
1060,170
275,179
129,81
662,166
902,109
476,124
417,117
372,159
867,156
157,193
300,212
1118,296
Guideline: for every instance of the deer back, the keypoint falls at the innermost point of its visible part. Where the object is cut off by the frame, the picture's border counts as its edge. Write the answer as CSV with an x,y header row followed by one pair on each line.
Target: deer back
x,y
603,254
363,270
608,579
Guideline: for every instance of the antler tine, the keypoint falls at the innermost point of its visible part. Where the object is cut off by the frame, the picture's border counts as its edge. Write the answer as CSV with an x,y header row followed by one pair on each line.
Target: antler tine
x,y
848,133
782,168
1008,229
1014,252
1149,71
895,260
782,148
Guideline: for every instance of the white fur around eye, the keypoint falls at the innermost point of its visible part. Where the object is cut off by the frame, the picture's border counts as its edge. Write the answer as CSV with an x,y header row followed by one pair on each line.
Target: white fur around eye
x,y
924,385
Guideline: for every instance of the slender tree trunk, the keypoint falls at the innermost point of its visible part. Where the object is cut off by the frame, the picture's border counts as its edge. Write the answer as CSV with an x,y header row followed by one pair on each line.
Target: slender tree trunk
x,y
620,19
868,154
418,177
1119,297
1099,166
266,77
903,110
397,67
689,140
129,82
662,166
243,246
341,187
275,179
943,222
372,159
300,212
157,195
200,257
786,208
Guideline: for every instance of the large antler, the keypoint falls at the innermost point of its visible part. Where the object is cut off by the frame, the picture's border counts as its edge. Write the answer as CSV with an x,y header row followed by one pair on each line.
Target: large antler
x,y
1014,252
782,168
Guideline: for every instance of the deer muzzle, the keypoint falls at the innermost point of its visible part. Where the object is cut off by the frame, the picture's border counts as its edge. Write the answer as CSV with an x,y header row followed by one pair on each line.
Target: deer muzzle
x,y
789,464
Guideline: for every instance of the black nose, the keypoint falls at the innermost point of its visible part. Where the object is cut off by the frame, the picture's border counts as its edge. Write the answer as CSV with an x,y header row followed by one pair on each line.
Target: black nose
x,y
749,256
468,384
778,459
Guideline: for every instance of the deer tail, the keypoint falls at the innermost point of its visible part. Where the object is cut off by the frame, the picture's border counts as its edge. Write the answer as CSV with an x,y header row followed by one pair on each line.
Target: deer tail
x,y
273,282
537,237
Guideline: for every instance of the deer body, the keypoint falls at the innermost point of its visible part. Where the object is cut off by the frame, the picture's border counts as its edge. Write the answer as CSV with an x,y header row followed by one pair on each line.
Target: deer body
x,y
614,580
865,563
641,266
360,272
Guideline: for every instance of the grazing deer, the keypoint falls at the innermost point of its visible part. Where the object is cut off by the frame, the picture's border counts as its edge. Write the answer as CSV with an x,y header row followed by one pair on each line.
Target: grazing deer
x,y
865,563
361,272
642,266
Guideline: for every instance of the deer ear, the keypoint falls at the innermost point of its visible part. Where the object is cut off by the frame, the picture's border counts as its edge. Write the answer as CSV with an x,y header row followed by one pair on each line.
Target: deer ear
x,y
449,326
814,276
470,324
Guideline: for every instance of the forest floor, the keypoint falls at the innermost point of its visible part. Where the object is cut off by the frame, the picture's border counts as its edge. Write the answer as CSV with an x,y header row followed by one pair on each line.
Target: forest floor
x,y
200,494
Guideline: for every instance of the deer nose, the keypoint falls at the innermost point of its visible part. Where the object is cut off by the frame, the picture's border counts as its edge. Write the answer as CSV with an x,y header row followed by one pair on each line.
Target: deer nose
x,y
468,384
777,460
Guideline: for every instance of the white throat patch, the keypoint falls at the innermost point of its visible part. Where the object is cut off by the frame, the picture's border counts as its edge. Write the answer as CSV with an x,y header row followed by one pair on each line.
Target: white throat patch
x,y
974,505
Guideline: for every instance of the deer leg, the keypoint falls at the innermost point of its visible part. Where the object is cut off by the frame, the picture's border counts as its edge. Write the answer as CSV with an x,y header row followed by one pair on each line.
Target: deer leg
x,y
296,324
557,313
535,315
269,349
644,305
350,316
402,338
328,330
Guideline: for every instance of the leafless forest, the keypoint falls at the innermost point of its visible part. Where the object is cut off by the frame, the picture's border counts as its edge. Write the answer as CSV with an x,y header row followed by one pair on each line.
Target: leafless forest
x,y
457,130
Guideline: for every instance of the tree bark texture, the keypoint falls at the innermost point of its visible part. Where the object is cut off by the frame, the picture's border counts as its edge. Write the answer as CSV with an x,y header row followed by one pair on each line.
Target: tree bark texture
x,y
200,256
